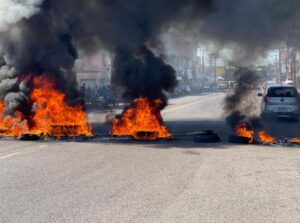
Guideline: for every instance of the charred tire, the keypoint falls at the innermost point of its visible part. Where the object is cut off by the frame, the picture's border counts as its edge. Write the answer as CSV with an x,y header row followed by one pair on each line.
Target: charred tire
x,y
238,139
207,138
29,137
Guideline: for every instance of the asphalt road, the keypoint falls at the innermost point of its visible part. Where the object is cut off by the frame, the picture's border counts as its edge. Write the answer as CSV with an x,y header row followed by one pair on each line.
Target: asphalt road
x,y
118,180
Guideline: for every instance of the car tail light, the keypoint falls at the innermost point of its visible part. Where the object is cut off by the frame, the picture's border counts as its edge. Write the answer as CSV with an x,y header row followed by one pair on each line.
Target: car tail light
x,y
266,99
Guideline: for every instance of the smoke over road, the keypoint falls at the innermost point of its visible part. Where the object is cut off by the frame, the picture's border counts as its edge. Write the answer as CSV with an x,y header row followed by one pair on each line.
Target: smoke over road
x,y
241,105
12,11
43,37
250,26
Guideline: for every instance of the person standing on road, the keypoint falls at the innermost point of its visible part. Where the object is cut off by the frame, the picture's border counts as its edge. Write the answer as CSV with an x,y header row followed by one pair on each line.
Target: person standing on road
x,y
82,90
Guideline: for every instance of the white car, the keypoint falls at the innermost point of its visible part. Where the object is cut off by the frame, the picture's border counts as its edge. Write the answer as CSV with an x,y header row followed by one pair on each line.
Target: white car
x,y
280,101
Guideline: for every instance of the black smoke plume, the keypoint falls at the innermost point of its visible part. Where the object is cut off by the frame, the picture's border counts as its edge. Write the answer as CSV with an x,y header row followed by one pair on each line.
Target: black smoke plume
x,y
241,105
46,37
43,36
143,74
248,27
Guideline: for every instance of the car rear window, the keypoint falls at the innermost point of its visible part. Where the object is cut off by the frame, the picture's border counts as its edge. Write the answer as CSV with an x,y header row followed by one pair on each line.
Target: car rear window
x,y
287,92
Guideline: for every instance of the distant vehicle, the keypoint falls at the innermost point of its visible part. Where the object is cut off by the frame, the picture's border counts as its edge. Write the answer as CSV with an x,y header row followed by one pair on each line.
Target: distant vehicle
x,y
222,85
289,82
207,87
280,101
269,83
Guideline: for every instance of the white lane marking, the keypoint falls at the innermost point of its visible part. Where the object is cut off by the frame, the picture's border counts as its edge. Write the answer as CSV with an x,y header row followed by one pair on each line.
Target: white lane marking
x,y
8,156
187,105
42,146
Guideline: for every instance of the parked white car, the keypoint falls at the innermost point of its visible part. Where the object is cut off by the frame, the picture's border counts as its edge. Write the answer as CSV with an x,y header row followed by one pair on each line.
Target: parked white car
x,y
280,101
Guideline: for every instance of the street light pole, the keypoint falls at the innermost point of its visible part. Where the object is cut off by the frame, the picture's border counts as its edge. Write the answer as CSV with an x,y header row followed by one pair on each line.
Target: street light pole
x,y
215,72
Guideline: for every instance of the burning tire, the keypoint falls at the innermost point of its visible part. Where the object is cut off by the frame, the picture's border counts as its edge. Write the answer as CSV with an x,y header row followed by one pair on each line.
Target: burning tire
x,y
239,139
29,137
145,136
207,137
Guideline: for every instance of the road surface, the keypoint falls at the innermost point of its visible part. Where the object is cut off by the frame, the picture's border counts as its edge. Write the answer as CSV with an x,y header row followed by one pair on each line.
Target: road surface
x,y
120,180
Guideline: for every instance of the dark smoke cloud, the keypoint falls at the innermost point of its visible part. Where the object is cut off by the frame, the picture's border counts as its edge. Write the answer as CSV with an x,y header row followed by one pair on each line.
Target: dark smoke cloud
x,y
143,74
251,23
248,27
44,35
240,106
47,41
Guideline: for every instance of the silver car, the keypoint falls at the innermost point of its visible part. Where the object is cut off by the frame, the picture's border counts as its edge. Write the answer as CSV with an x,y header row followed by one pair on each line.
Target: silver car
x,y
280,101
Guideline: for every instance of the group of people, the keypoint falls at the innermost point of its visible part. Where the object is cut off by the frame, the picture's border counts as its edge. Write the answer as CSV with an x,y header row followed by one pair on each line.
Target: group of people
x,y
89,92
98,96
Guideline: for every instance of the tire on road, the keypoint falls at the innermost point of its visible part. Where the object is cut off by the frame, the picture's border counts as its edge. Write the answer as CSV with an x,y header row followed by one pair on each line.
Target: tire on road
x,y
238,139
29,137
207,137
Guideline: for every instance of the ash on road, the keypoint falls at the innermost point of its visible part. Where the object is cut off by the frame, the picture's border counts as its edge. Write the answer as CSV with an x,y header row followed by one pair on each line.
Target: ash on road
x,y
174,181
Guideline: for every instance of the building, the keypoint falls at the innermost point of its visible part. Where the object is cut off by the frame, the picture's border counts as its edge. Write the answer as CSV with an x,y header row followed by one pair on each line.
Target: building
x,y
293,49
94,70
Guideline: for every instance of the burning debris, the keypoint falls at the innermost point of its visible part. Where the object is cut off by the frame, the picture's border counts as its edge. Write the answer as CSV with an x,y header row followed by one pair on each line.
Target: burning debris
x,y
50,104
265,138
142,121
295,140
50,117
240,108
144,77
243,130
240,105
244,134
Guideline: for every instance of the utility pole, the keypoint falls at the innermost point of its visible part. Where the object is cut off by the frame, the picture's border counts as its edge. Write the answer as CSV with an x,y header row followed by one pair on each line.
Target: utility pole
x,y
203,63
215,76
280,65
203,59
276,67
213,71
210,67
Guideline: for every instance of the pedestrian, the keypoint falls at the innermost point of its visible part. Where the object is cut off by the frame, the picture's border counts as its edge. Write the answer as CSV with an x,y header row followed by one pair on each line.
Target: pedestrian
x,y
82,90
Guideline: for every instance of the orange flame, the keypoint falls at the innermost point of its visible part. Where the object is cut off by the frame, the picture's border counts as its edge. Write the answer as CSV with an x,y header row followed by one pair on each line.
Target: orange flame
x,y
295,140
243,130
143,121
52,116
11,126
265,138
